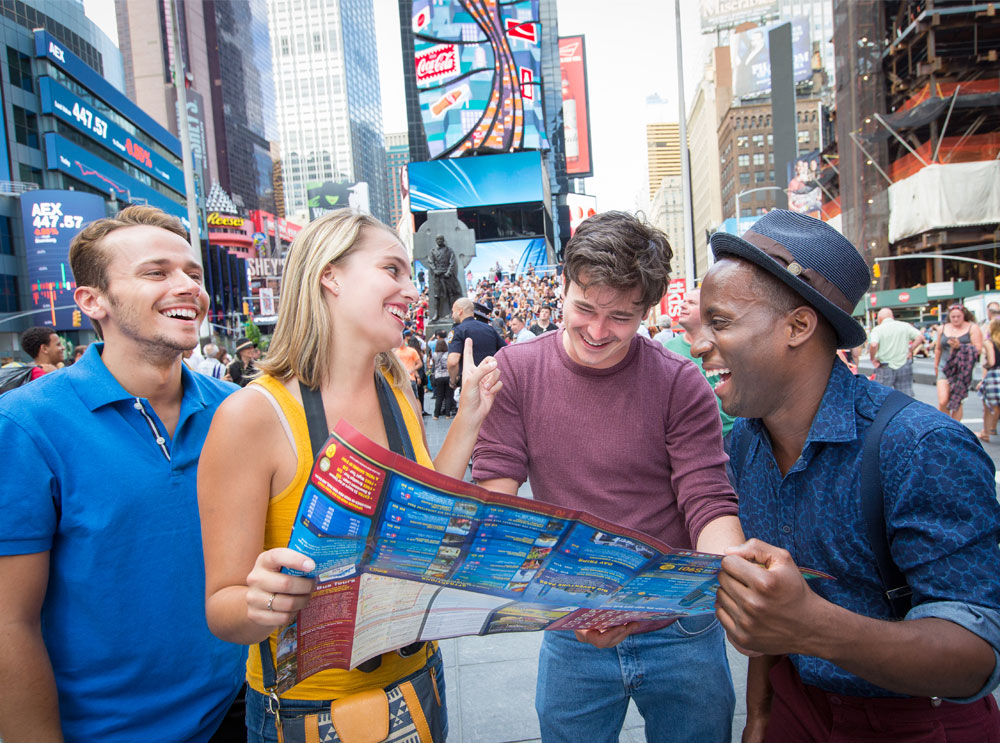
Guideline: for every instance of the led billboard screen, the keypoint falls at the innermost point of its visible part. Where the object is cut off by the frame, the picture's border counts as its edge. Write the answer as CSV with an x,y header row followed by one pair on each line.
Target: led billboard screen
x,y
475,181
716,14
70,158
576,106
804,194
750,55
522,253
581,206
478,67
325,197
50,220
60,102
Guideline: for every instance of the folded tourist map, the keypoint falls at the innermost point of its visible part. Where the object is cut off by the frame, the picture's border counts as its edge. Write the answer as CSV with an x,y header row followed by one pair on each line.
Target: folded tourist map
x,y
405,554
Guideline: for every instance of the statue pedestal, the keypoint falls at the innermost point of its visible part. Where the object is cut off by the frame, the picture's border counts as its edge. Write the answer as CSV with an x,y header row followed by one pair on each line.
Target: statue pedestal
x,y
462,242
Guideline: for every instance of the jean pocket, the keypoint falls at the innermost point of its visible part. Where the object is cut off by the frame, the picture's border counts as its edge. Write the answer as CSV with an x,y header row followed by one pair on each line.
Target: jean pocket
x,y
696,625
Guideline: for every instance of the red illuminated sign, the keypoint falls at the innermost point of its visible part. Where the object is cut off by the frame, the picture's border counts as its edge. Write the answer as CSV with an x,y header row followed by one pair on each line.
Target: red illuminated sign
x,y
519,30
576,109
437,62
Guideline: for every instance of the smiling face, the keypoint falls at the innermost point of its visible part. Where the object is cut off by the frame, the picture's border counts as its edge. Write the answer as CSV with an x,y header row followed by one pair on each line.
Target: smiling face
x,y
54,352
600,323
155,298
370,291
740,342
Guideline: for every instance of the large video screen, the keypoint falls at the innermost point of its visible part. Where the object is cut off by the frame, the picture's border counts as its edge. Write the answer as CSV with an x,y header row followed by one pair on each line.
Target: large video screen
x,y
476,181
750,54
51,219
478,66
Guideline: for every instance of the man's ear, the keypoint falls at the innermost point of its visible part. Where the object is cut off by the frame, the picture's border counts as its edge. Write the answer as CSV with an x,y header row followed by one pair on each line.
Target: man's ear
x,y
91,302
802,323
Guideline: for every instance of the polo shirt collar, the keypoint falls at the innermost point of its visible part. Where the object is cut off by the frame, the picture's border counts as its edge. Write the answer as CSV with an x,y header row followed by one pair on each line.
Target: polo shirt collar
x,y
96,386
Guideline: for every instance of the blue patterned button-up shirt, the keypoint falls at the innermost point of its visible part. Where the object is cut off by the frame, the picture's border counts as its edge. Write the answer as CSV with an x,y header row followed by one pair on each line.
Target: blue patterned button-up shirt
x,y
940,507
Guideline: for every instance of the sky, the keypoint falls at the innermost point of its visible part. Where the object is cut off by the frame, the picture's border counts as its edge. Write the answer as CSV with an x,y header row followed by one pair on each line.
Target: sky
x,y
631,55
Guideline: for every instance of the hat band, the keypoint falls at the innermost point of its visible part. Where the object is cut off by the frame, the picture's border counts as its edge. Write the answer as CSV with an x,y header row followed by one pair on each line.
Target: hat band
x,y
810,276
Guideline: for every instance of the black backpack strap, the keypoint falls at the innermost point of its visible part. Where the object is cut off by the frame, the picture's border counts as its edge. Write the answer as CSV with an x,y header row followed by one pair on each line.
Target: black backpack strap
x,y
894,585
312,401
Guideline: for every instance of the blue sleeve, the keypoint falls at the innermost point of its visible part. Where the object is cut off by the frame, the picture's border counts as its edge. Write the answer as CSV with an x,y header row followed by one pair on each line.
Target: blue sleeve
x,y
978,620
943,521
28,497
457,343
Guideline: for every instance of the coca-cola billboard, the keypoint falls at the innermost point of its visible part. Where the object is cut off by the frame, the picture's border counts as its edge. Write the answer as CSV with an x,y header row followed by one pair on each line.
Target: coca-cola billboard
x,y
575,106
479,75
437,63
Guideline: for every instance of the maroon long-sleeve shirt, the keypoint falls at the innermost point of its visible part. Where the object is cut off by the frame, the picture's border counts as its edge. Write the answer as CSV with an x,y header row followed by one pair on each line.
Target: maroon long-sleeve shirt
x,y
638,444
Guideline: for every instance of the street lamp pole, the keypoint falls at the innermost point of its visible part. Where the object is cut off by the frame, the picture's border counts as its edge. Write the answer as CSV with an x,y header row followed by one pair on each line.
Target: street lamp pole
x,y
744,193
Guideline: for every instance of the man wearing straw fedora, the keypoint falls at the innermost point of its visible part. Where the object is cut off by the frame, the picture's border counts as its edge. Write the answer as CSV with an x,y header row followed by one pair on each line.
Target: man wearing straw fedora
x,y
901,643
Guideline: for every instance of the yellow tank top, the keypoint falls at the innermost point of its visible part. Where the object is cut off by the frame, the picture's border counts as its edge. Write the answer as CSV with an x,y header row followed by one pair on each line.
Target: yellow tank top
x,y
281,510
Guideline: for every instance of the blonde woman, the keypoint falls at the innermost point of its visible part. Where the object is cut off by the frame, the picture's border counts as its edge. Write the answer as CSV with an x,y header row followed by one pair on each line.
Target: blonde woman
x,y
345,293
989,388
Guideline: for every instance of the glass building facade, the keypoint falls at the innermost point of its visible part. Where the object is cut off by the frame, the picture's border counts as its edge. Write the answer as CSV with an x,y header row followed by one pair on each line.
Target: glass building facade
x,y
243,101
329,105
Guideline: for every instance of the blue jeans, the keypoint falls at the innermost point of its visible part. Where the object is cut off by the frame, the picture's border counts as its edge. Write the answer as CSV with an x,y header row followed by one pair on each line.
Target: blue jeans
x,y
678,676
260,722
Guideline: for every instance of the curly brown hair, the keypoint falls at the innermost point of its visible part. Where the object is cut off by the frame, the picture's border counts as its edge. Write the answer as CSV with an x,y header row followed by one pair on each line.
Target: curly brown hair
x,y
621,251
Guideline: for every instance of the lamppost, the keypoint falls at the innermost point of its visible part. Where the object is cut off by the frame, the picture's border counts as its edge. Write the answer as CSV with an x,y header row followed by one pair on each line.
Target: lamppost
x,y
739,218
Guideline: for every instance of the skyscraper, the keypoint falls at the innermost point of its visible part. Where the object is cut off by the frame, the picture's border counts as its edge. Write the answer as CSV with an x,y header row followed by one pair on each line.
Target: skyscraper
x,y
328,107
239,55
397,155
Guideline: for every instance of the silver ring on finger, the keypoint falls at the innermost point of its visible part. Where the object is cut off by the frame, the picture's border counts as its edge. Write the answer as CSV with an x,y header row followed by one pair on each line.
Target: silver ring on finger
x,y
271,601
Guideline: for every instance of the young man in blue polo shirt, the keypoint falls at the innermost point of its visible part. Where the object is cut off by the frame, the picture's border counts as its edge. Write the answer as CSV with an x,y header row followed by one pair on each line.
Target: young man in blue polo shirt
x,y
102,621
775,308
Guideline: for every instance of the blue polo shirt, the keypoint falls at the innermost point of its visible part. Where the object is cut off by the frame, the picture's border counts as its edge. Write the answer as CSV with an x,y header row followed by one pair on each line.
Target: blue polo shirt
x,y
942,516
92,476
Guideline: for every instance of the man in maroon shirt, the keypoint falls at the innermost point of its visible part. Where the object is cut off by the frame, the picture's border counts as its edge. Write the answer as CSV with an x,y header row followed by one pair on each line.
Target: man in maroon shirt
x,y
605,421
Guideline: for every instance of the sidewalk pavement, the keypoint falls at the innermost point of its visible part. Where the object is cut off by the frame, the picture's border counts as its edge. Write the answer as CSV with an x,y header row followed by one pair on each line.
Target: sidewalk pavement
x,y
490,681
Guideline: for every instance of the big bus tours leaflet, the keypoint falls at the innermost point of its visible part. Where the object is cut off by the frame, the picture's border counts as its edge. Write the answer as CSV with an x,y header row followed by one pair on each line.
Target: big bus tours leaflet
x,y
404,554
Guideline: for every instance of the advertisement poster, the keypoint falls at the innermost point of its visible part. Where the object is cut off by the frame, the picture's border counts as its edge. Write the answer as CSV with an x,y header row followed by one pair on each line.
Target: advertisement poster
x,y
51,220
404,554
516,178
478,70
670,305
325,197
804,194
581,206
750,54
576,106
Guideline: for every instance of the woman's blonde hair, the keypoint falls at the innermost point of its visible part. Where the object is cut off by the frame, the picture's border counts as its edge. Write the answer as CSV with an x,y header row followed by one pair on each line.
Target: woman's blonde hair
x,y
303,336
995,334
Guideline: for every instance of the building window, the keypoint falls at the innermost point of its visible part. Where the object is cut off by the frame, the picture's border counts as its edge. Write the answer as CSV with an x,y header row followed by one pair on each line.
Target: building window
x,y
758,158
758,140
25,127
743,160
285,47
29,174
770,140
744,179
803,137
317,42
742,141
770,159
6,243
758,176
770,175
20,70
9,301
